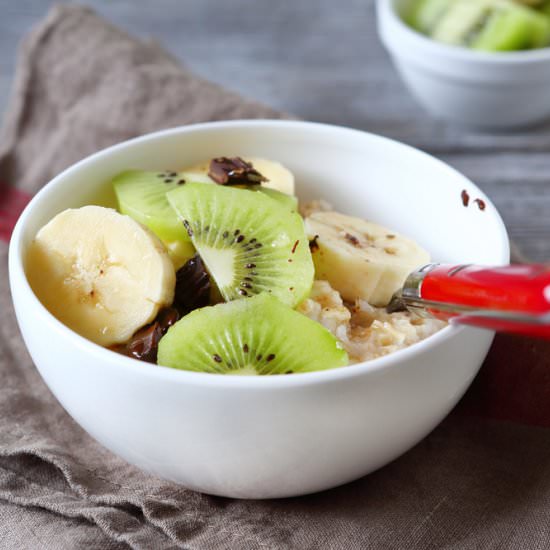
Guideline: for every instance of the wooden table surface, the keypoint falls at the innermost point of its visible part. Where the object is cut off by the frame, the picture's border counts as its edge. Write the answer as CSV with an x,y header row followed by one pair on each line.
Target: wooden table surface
x,y
322,60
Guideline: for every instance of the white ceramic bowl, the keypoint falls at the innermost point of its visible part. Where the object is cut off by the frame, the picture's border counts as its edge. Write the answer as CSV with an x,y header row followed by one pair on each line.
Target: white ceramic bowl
x,y
260,437
471,88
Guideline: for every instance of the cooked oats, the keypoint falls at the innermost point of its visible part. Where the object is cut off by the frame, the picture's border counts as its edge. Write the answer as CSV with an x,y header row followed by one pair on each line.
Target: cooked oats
x,y
318,205
365,332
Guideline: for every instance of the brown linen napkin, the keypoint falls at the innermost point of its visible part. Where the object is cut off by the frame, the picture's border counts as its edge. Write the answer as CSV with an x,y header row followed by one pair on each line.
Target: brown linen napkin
x,y
473,483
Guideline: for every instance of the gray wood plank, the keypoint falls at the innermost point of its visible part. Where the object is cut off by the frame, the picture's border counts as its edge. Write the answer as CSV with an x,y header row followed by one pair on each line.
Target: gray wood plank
x,y
322,61
518,184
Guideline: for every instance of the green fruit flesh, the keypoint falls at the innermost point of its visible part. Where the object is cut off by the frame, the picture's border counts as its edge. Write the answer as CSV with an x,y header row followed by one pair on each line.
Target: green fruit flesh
x,y
540,35
142,196
490,25
259,335
504,31
459,21
513,27
288,201
425,14
249,243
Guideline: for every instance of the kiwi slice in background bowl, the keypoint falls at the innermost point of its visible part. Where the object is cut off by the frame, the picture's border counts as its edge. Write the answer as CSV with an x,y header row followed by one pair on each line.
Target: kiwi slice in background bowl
x,y
489,25
424,15
512,26
259,336
504,30
249,242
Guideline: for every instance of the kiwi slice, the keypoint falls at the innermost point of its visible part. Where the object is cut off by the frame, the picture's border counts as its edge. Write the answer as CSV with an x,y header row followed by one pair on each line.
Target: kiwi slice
x,y
248,241
545,8
512,26
288,201
505,30
142,196
540,29
460,21
490,25
425,14
256,336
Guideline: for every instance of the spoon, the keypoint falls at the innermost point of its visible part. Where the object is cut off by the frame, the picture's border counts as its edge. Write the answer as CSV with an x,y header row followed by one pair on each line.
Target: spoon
x,y
513,298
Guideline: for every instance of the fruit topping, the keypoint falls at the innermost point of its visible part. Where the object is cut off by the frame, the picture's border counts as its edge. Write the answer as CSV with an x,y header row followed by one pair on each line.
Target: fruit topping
x,y
255,336
142,196
361,259
101,273
144,282
246,241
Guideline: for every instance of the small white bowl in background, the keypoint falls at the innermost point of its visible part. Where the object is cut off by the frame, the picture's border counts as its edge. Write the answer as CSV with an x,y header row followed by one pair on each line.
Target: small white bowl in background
x,y
483,90
271,436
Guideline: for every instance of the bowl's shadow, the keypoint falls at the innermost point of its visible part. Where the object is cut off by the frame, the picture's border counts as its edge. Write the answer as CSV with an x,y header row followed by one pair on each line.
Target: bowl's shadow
x,y
467,483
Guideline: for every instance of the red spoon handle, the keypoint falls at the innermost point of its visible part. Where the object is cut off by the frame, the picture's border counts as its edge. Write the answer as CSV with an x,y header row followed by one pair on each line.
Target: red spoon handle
x,y
519,288
513,298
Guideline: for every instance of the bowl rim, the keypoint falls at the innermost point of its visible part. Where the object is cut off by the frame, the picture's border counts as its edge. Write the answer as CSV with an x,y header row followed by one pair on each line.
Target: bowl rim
x,y
387,8
105,356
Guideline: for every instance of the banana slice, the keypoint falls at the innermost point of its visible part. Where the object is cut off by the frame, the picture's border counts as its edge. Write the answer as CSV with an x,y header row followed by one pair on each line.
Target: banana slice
x,y
360,259
101,273
278,177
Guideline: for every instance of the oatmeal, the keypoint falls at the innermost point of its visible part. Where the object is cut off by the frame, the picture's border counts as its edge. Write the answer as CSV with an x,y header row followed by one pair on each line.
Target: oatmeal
x,y
366,332
318,205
